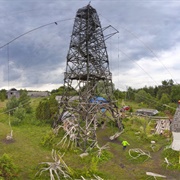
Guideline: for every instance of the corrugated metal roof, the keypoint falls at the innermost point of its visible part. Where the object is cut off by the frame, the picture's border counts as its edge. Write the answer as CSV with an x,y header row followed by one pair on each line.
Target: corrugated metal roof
x,y
147,111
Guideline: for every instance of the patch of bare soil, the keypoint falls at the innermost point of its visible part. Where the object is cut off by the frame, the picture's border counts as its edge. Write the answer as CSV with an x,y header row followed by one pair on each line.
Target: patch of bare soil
x,y
5,141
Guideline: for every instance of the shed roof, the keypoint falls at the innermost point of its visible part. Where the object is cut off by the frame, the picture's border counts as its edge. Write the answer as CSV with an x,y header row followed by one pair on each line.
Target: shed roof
x,y
13,89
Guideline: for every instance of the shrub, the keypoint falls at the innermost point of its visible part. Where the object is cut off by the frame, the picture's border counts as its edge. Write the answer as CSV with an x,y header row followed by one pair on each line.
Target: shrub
x,y
20,113
87,172
11,105
7,168
106,155
48,139
15,122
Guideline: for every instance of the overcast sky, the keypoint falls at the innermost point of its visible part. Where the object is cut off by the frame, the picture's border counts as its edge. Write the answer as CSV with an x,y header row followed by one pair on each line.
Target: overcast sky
x,y
145,52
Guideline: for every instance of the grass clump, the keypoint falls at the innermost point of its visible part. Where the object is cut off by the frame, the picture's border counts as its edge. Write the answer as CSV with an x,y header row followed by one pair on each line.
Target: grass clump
x,y
173,158
48,139
87,171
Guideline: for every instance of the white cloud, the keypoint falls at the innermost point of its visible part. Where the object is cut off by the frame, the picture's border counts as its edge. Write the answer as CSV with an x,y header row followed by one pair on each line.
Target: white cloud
x,y
152,71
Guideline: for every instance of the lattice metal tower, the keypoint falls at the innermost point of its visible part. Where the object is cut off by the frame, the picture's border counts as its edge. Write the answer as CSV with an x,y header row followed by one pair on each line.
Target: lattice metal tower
x,y
88,73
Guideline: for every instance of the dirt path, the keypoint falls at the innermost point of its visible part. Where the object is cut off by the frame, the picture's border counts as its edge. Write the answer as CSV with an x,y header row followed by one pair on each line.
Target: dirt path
x,y
152,165
122,161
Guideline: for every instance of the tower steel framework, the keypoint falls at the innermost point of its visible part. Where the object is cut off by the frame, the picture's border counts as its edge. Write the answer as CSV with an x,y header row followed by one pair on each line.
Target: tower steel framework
x,y
88,77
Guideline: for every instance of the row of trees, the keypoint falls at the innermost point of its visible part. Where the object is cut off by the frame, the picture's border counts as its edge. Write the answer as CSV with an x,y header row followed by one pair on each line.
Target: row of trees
x,y
161,97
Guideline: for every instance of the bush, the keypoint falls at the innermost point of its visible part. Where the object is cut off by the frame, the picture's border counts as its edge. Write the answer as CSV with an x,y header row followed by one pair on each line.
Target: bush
x,y
19,115
87,172
106,156
48,139
15,122
47,109
11,105
7,168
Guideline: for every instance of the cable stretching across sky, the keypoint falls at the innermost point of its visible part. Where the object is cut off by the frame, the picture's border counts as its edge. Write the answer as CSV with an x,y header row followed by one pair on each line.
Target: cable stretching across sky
x,y
55,22
145,45
138,65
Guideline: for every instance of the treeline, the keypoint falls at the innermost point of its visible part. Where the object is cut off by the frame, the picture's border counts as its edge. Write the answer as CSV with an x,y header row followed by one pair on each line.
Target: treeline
x,y
162,97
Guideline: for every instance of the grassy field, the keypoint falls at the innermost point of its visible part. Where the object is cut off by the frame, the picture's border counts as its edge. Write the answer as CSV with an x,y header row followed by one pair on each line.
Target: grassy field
x,y
27,151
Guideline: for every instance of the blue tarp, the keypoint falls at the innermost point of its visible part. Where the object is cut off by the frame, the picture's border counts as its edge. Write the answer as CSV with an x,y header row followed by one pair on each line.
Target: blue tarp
x,y
98,99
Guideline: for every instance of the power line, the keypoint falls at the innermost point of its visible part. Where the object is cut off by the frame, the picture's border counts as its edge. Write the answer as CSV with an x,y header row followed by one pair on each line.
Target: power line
x,y
55,22
8,63
137,65
145,45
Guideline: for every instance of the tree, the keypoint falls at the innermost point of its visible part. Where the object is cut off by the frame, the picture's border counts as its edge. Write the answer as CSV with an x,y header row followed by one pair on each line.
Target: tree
x,y
43,111
47,109
175,93
3,94
168,82
24,100
150,90
20,114
130,95
23,103
165,99
163,102
58,91
165,88
12,104
119,94
141,96
53,104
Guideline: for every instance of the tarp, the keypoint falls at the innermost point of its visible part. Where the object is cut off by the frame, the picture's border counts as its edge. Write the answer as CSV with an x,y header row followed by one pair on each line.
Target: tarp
x,y
98,99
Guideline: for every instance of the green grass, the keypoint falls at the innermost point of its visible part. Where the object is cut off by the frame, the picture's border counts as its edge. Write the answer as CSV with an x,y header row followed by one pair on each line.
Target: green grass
x,y
27,150
3,104
35,102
